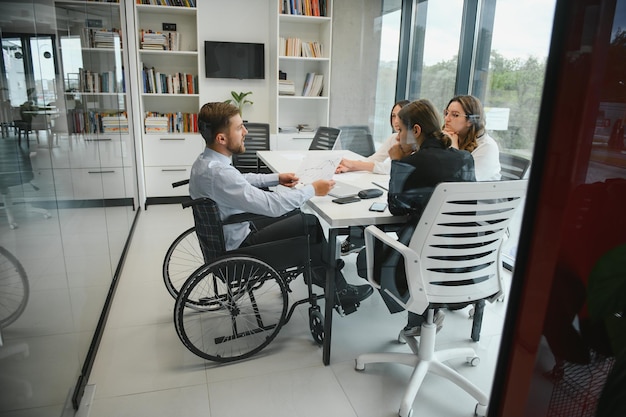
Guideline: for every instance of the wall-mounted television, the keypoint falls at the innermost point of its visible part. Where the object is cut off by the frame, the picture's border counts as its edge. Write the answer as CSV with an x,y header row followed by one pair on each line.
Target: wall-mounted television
x,y
239,60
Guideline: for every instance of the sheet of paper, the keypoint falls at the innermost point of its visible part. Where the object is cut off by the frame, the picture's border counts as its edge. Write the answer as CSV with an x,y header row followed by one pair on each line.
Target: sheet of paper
x,y
317,166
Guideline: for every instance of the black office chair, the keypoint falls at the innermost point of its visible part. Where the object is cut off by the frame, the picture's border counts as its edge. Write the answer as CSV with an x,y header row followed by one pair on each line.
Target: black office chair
x,y
513,167
257,139
357,139
324,139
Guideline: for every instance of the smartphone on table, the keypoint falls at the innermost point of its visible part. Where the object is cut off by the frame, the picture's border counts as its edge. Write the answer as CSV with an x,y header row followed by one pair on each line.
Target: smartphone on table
x,y
346,200
378,206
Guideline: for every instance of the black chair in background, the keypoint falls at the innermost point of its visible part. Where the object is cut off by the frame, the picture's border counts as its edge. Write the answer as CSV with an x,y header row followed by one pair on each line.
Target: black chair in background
x,y
324,139
513,167
358,139
257,139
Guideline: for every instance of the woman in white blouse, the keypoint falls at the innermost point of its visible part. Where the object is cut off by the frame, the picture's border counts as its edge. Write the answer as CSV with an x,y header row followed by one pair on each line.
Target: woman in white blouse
x,y
464,122
378,162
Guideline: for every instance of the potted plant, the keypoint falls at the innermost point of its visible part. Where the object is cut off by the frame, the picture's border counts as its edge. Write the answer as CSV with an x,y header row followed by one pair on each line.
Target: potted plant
x,y
239,100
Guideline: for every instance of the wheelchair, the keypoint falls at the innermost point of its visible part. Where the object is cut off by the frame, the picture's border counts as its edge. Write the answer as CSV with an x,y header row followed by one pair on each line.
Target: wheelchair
x,y
235,303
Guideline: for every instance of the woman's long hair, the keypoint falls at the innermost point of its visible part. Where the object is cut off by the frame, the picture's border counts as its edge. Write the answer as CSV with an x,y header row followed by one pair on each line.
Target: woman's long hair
x,y
473,109
400,103
423,113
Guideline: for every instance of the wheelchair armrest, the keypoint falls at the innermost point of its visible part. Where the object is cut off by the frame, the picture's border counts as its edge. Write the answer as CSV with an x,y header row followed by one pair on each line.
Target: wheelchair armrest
x,y
179,183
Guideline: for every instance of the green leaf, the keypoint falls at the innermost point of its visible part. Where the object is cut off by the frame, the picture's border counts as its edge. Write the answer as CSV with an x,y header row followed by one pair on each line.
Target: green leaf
x,y
607,284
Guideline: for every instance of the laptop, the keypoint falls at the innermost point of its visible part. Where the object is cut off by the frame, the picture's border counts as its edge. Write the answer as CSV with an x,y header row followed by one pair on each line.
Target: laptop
x,y
341,189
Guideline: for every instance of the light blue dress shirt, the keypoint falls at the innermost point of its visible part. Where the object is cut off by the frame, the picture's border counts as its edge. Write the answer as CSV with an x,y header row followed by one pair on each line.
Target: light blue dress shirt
x,y
213,176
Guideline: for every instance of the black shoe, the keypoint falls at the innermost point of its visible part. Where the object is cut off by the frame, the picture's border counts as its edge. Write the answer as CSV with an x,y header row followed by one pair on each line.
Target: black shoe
x,y
347,247
348,299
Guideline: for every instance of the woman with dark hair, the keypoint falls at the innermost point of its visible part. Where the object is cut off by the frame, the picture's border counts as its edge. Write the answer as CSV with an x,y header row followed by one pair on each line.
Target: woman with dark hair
x,y
422,159
464,122
378,162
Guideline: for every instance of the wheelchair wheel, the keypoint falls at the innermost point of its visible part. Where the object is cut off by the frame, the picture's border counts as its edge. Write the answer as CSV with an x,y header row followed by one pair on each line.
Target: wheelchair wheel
x,y
231,308
182,258
14,290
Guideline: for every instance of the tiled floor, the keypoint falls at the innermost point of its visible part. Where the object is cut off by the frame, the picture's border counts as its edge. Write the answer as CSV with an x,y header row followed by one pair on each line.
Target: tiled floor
x,y
142,368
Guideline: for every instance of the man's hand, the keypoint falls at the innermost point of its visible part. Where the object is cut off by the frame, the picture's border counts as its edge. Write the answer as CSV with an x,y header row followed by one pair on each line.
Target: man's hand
x,y
288,179
322,187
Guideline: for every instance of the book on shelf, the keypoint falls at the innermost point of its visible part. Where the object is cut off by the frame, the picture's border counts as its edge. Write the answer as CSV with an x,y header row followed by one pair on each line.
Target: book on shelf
x,y
308,83
286,88
317,86
159,41
179,3
303,7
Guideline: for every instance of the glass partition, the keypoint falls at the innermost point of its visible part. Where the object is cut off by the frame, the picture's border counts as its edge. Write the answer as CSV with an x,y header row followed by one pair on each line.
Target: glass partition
x,y
67,179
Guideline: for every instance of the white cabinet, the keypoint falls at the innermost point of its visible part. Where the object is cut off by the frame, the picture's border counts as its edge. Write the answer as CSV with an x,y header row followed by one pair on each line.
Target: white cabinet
x,y
295,63
167,48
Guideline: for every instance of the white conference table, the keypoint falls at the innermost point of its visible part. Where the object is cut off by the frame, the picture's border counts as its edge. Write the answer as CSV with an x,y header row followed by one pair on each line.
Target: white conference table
x,y
338,217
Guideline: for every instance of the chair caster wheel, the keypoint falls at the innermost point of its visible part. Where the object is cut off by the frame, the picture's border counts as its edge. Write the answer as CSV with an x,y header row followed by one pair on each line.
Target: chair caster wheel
x,y
316,325
473,360
480,410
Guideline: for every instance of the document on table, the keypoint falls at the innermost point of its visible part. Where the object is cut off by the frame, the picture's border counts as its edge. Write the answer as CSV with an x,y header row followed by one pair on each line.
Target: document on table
x,y
317,167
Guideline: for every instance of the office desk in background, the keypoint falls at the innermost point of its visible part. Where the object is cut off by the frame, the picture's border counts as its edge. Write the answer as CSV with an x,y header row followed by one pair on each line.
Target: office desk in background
x,y
338,217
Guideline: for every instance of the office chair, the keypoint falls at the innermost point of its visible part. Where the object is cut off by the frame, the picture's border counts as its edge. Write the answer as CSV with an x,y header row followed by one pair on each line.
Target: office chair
x,y
452,258
324,139
357,139
257,139
513,167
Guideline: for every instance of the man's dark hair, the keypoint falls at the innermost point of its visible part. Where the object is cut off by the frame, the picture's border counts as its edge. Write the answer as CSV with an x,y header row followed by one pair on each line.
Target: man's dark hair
x,y
214,118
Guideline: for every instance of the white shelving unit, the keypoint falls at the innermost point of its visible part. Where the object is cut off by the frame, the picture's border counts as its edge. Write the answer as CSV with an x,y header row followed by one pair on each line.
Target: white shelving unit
x,y
295,110
91,46
168,156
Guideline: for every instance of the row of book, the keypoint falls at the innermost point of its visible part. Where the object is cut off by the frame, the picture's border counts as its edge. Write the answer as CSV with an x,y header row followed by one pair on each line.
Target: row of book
x,y
303,7
101,37
155,82
181,3
92,122
160,41
298,47
313,85
178,122
100,82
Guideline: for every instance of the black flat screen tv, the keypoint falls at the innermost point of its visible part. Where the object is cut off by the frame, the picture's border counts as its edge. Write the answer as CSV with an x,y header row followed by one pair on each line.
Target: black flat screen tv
x,y
239,60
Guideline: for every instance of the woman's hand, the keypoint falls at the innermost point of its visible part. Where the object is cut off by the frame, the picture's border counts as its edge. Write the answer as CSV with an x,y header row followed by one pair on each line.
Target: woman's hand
x,y
288,179
344,166
399,151
454,137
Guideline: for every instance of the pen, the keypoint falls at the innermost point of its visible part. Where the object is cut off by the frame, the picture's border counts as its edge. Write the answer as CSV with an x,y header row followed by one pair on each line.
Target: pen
x,y
380,186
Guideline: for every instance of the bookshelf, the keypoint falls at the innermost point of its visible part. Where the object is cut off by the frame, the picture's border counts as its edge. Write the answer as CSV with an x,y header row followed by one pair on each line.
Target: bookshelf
x,y
303,61
167,66
92,109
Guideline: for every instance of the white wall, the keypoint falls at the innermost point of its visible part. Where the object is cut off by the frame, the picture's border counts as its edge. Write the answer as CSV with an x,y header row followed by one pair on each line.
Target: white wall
x,y
237,21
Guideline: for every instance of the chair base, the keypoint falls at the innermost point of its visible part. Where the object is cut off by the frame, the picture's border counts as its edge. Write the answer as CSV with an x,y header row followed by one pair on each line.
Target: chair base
x,y
425,359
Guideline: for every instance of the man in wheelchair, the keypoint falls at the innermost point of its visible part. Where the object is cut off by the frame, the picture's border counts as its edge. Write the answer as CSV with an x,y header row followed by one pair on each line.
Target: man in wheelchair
x,y
213,176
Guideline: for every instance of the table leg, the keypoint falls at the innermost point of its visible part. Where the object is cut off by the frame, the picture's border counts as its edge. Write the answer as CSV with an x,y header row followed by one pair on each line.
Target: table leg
x,y
329,293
